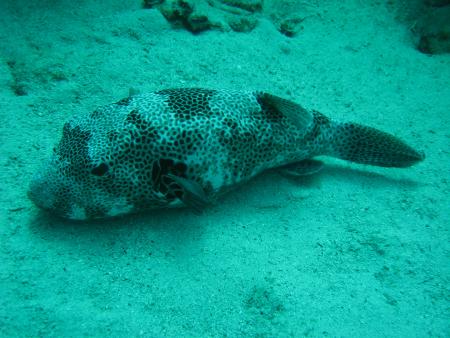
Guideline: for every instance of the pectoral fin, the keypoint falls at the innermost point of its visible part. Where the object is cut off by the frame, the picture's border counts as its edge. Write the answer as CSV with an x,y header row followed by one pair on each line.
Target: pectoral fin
x,y
193,195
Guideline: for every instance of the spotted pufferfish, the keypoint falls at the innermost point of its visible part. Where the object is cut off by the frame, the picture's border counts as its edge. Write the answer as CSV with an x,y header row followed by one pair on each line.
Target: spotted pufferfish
x,y
185,147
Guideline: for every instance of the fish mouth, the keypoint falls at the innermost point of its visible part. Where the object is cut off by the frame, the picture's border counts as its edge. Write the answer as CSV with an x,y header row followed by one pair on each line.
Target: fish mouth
x,y
56,197
40,194
45,198
43,205
49,193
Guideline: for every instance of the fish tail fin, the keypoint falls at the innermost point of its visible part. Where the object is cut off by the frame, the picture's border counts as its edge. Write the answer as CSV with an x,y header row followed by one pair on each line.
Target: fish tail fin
x,y
362,144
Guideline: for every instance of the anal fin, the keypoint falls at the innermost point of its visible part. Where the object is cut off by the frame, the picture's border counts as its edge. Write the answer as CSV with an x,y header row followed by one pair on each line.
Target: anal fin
x,y
302,168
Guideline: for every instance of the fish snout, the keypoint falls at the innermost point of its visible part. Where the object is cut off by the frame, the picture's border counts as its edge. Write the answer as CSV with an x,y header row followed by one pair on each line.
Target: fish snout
x,y
42,192
49,191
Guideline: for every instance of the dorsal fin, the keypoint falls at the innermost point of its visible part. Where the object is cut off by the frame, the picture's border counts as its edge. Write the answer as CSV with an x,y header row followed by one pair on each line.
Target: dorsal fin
x,y
299,116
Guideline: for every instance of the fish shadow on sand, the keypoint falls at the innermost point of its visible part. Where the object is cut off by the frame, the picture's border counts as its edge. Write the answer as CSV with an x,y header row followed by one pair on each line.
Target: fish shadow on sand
x,y
182,224
366,176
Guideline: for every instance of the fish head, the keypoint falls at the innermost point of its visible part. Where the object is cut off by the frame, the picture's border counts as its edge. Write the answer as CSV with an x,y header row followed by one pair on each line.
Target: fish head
x,y
100,168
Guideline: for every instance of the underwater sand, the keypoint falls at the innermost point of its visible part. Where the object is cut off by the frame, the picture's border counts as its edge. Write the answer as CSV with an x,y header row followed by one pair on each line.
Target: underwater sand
x,y
351,251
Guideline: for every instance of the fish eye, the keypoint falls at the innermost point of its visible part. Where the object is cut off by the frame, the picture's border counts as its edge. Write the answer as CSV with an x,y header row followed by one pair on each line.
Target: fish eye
x,y
100,170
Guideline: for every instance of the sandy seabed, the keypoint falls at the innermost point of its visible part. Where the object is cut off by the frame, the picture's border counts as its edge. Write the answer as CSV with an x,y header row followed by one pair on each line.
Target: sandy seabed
x,y
351,251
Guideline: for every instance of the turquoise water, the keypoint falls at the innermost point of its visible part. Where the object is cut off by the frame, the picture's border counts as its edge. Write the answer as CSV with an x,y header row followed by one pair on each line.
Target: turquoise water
x,y
353,250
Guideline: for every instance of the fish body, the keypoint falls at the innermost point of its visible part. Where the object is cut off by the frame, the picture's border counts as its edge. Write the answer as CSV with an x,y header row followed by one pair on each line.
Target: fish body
x,y
184,147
